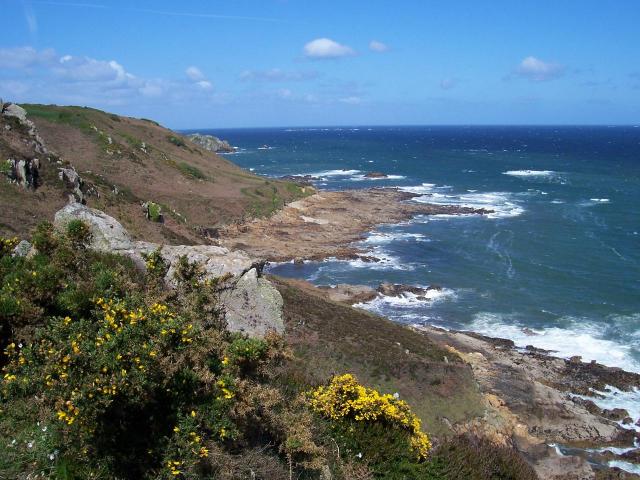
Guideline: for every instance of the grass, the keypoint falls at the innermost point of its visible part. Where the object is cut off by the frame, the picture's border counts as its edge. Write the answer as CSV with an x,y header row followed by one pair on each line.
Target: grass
x,y
177,141
331,337
191,171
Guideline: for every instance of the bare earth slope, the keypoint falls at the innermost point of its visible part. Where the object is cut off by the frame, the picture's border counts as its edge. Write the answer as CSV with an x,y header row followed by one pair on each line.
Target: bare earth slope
x,y
125,162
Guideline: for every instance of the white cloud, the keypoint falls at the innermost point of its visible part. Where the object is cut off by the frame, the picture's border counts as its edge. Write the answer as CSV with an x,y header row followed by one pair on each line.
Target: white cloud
x,y
537,70
278,75
205,84
353,100
85,69
194,74
326,48
27,74
379,47
448,83
25,57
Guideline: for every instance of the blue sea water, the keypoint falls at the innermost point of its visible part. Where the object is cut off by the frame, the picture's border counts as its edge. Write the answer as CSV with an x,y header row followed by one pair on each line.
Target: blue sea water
x,y
557,265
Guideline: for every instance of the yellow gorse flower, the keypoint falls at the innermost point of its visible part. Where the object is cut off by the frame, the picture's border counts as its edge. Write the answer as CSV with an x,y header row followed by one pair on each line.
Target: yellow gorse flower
x,y
345,398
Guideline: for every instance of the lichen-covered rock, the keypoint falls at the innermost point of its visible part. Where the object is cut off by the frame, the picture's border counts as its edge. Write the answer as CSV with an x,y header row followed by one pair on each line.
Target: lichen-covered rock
x,y
13,110
73,182
108,235
254,306
22,249
25,173
211,143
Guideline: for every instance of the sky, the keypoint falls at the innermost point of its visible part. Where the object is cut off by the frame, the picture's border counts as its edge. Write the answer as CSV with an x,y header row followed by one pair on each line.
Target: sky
x,y
263,63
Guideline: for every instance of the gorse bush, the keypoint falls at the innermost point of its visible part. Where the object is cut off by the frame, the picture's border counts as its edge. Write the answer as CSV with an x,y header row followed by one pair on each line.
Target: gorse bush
x,y
106,373
109,373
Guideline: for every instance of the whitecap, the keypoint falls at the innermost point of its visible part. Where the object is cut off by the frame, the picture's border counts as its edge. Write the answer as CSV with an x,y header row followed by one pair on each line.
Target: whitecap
x,y
383,238
501,203
600,200
334,173
407,300
586,339
529,173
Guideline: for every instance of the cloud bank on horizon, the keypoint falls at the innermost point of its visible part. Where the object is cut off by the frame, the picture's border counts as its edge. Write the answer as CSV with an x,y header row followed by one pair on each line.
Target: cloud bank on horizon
x,y
260,63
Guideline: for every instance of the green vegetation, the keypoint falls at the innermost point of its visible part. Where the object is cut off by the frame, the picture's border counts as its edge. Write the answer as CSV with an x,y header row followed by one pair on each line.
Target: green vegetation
x,y
73,116
5,167
177,141
107,373
191,172
154,210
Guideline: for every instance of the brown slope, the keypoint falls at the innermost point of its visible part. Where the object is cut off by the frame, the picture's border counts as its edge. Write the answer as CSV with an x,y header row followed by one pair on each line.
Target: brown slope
x,y
130,161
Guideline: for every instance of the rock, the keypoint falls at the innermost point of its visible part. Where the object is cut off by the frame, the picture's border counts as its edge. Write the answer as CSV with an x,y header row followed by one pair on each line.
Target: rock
x,y
73,182
301,180
254,306
211,143
108,235
375,175
615,414
24,172
397,290
22,249
13,110
350,294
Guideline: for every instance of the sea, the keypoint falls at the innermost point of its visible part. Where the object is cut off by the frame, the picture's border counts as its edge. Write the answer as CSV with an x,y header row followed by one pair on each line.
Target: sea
x,y
557,263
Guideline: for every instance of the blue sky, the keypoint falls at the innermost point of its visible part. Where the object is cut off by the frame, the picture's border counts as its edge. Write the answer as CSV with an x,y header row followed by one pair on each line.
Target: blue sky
x,y
242,63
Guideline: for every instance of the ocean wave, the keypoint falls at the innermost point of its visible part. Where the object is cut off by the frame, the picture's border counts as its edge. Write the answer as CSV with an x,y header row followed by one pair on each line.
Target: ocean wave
x,y
383,238
586,339
501,203
600,200
407,300
612,397
360,178
530,173
334,173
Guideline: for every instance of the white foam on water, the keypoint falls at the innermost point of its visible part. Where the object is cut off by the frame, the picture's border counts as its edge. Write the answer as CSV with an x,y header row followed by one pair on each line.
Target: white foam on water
x,y
334,173
383,238
407,300
626,466
530,173
501,203
579,338
385,262
614,398
361,178
600,200
558,202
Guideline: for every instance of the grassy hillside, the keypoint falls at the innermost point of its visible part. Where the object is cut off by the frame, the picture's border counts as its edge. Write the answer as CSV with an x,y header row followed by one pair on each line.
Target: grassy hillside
x,y
127,162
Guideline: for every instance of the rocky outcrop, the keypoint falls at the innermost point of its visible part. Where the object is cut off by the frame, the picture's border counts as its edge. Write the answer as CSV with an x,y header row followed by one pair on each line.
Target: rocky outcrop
x,y
211,143
253,300
375,175
25,173
397,290
251,304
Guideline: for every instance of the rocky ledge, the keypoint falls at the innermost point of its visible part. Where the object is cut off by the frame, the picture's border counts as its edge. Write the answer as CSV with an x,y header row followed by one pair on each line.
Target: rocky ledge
x,y
211,143
250,302
326,224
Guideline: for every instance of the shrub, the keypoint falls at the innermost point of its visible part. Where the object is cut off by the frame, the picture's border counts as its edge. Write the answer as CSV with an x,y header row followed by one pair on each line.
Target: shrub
x,y
191,171
79,233
345,399
177,141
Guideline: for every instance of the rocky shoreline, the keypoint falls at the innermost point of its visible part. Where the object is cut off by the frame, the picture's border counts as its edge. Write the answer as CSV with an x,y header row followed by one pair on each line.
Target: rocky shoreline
x,y
326,224
544,406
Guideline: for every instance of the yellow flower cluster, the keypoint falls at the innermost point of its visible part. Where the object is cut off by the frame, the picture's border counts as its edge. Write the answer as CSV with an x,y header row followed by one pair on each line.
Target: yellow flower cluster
x,y
226,393
174,467
345,398
7,245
